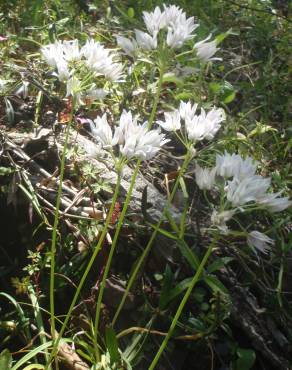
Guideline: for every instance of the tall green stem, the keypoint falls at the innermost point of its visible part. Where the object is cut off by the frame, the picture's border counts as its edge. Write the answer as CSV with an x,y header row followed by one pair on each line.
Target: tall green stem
x,y
157,96
114,243
55,226
126,204
88,267
153,236
184,301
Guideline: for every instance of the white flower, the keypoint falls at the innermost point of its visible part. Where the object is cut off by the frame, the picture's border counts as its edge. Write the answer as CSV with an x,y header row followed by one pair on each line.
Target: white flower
x,y
71,50
205,126
74,89
219,219
143,144
171,15
233,165
153,20
96,94
171,121
205,178
260,241
246,190
145,41
179,27
205,50
2,84
129,46
102,131
128,124
101,60
181,32
61,52
187,111
273,203
198,127
226,164
62,73
91,149
53,53
113,71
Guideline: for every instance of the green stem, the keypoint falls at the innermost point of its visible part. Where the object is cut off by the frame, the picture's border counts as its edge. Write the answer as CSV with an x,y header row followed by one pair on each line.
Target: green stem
x,y
183,302
153,236
88,267
157,96
55,228
114,243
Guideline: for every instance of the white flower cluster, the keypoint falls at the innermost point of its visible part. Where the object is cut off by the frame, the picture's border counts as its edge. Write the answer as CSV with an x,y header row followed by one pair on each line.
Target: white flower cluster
x,y
178,28
244,187
197,126
134,140
68,58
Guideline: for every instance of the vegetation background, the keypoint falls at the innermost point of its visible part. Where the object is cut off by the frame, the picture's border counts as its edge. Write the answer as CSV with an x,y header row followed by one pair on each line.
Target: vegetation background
x,y
242,318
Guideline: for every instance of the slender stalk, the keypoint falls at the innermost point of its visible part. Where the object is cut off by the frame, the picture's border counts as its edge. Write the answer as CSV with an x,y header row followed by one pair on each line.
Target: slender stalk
x,y
86,272
152,238
126,204
114,243
157,96
55,227
184,301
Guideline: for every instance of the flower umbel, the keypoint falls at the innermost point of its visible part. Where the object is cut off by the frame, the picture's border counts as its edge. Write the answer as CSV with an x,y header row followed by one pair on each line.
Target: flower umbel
x,y
135,141
198,127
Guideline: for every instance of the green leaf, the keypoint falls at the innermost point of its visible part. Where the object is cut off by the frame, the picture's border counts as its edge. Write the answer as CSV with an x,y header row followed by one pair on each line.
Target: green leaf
x,y
165,233
189,254
5,360
222,36
179,288
34,352
215,284
246,359
34,367
219,263
112,344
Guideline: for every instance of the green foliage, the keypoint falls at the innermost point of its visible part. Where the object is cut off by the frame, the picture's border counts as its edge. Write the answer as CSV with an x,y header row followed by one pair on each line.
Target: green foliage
x,y
251,83
5,360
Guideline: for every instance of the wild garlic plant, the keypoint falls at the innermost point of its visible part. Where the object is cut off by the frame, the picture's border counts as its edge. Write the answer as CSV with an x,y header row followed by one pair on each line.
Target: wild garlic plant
x,y
245,192
88,73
